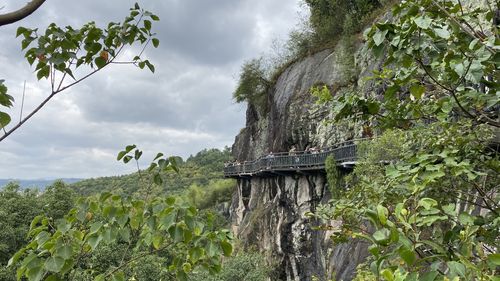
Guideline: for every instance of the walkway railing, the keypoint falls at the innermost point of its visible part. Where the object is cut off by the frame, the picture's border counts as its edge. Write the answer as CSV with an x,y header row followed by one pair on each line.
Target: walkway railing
x,y
343,153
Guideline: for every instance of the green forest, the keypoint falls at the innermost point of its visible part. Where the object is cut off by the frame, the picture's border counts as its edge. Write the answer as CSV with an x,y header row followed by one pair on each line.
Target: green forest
x,y
423,194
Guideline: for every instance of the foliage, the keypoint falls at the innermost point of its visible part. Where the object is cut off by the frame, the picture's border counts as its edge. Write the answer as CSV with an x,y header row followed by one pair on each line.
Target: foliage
x,y
333,175
60,53
164,230
433,213
332,18
147,227
244,266
441,61
208,196
18,208
5,101
200,169
58,200
253,84
426,197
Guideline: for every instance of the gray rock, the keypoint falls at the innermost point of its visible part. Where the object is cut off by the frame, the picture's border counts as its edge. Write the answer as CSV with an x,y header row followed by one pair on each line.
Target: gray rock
x,y
269,213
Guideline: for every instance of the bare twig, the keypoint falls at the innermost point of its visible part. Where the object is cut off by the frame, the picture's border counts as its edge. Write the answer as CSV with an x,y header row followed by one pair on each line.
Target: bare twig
x,y
22,102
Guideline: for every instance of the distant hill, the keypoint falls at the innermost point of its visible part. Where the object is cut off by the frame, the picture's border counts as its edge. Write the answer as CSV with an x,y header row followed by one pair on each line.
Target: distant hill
x,y
200,169
37,183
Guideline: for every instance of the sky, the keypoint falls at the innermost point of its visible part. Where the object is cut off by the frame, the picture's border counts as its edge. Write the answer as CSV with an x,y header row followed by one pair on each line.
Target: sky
x,y
184,107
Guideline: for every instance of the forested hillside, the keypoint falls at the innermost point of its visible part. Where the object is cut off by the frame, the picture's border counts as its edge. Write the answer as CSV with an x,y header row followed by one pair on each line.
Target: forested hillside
x,y
202,169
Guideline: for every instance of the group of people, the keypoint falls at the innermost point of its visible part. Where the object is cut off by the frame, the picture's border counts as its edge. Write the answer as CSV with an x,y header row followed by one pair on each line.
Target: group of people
x,y
270,156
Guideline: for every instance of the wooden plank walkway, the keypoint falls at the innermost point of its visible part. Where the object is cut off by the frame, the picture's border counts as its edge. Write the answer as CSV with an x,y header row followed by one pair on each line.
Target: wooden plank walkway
x,y
286,162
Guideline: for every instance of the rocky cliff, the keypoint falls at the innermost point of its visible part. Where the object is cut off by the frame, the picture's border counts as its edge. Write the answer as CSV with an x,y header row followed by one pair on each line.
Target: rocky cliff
x,y
269,213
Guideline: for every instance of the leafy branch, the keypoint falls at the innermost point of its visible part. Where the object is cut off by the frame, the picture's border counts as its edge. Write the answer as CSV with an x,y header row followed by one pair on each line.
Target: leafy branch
x,y
64,50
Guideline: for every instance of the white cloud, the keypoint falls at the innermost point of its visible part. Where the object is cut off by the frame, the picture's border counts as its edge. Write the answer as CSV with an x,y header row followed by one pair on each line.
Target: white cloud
x,y
182,108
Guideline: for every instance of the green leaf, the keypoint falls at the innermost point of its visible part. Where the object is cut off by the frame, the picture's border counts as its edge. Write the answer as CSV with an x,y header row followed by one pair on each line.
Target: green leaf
x,y
212,249
54,264
125,234
382,213
63,225
15,257
137,154
53,278
169,219
20,30
147,24
127,159
186,267
227,248
158,179
5,99
150,66
408,255
417,91
379,36
105,195
100,62
155,17
456,269
382,236
178,233
427,203
118,276
95,227
4,119
65,252
429,276
196,254
35,273
387,274
94,240
156,42
466,219
423,22
442,32
157,240
43,72
494,259
435,246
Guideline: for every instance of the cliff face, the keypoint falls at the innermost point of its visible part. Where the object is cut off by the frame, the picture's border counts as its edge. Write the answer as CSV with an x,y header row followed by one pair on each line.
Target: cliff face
x,y
269,213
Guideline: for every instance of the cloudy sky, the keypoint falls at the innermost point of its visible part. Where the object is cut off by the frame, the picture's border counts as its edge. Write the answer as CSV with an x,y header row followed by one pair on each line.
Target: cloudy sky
x,y
183,107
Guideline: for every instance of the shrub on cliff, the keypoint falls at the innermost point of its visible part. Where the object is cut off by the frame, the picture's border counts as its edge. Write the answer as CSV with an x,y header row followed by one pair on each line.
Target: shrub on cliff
x,y
331,18
253,84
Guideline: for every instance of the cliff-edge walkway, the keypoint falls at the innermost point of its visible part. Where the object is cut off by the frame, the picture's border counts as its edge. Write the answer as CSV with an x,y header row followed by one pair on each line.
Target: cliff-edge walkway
x,y
294,161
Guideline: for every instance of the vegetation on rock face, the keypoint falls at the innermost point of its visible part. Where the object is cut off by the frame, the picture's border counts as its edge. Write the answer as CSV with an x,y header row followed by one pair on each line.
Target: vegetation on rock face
x,y
253,85
243,266
425,193
333,18
329,21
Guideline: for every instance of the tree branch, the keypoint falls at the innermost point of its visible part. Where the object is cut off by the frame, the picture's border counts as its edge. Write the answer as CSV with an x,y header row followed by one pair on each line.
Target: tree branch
x,y
21,13
471,32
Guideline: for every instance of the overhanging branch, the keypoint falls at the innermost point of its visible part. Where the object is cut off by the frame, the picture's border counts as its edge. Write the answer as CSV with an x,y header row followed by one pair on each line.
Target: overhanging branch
x,y
21,13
